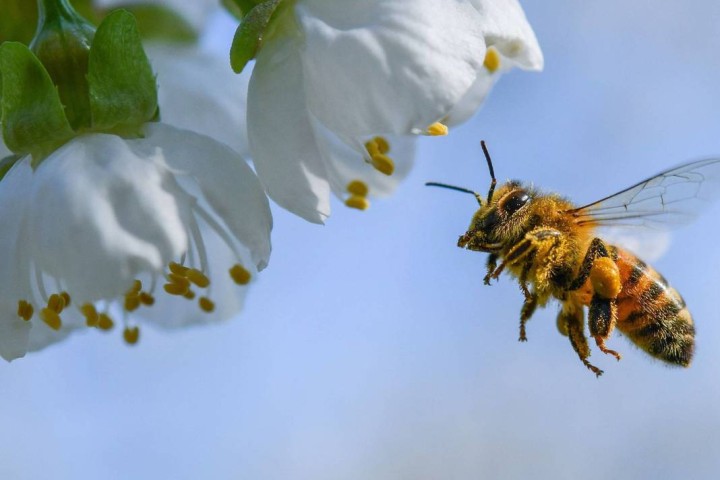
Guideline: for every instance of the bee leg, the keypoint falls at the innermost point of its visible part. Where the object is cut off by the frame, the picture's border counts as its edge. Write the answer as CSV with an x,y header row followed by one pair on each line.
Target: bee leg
x,y
530,304
491,266
602,317
527,247
571,320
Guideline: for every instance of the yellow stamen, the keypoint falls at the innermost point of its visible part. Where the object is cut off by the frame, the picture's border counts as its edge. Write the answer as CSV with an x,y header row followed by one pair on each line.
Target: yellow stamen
x,y
240,275
492,60
131,335
178,279
25,310
146,298
51,318
56,303
355,201
206,304
358,187
383,164
382,144
198,278
178,269
132,302
437,129
189,295
66,298
372,147
137,286
175,289
104,322
91,315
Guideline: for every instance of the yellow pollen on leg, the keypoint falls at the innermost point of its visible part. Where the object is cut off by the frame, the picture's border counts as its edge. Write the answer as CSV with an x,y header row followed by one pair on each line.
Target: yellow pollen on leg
x,y
206,305
90,313
51,318
240,275
25,310
492,60
56,303
437,129
357,202
198,278
383,164
358,187
131,335
104,322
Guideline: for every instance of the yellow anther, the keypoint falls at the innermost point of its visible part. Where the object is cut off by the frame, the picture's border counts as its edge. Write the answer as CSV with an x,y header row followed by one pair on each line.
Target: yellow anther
x,y
175,288
437,129
178,269
198,278
90,314
383,164
66,298
137,286
382,144
104,322
206,305
56,303
25,310
131,335
178,279
240,275
355,201
492,60
358,187
51,318
132,302
189,295
372,147
146,298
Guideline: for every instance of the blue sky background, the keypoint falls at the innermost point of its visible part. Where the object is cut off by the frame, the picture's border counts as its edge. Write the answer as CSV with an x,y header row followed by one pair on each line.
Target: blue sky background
x,y
370,349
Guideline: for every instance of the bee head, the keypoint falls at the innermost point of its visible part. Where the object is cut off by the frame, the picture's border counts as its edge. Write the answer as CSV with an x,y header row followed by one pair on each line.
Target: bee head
x,y
501,216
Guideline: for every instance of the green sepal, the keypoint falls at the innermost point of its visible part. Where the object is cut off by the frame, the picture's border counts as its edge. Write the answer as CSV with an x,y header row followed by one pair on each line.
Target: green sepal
x,y
6,164
123,92
33,119
249,35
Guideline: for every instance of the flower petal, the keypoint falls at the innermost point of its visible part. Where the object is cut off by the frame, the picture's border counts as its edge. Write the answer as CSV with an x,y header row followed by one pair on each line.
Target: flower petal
x,y
197,91
227,183
386,66
14,332
97,207
282,140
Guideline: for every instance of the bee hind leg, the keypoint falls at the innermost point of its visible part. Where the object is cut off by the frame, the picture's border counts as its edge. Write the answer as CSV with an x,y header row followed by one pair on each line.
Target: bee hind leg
x,y
602,317
572,321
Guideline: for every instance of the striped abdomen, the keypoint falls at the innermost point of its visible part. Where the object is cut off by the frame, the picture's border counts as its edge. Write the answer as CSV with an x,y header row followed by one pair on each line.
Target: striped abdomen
x,y
653,314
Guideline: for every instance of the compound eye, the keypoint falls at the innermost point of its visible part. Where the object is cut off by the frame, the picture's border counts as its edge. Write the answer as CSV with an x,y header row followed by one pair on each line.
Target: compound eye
x,y
516,202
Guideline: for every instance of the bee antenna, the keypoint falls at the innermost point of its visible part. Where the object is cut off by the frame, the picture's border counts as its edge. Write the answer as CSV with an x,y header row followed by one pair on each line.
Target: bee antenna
x,y
492,171
458,189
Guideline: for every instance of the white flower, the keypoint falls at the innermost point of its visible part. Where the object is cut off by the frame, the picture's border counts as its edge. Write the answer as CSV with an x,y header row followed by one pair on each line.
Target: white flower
x,y
132,229
365,71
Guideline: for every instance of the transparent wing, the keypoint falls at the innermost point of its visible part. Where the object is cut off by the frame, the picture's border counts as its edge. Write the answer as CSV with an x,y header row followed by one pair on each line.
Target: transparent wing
x,y
669,198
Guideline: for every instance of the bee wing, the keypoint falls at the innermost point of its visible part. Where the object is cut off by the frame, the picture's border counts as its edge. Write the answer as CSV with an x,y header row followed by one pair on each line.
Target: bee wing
x,y
647,244
669,198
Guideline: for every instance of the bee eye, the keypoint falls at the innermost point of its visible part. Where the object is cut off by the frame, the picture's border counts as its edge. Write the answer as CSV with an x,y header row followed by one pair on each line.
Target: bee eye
x,y
515,203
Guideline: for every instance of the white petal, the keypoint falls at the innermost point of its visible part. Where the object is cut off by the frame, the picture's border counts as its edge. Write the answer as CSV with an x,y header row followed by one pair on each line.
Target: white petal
x,y
14,332
473,98
227,183
100,215
388,66
198,91
4,152
282,140
507,29
15,268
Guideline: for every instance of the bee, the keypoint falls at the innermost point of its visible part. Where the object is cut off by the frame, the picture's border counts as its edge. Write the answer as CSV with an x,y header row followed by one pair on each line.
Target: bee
x,y
551,247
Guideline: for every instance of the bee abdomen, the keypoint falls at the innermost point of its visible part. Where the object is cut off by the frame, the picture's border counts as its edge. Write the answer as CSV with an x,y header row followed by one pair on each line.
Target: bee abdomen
x,y
654,315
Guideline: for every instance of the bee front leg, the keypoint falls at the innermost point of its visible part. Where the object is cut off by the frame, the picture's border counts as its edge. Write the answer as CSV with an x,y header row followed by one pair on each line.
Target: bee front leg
x,y
570,320
491,266
530,304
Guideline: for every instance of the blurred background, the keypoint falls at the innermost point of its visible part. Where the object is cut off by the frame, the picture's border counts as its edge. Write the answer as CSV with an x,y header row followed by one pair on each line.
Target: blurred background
x,y
370,348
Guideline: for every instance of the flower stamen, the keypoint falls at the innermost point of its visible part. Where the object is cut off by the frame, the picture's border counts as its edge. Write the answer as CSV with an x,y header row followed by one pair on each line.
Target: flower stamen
x,y
206,305
492,60
104,322
51,318
131,335
437,129
25,310
90,313
240,275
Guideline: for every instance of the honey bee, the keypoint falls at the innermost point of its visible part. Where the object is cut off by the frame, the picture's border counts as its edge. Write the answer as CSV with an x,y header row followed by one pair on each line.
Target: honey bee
x,y
550,246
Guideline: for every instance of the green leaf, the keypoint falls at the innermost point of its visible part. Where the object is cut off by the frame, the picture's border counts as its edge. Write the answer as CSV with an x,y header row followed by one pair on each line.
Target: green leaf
x,y
33,119
249,35
6,164
18,20
123,92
